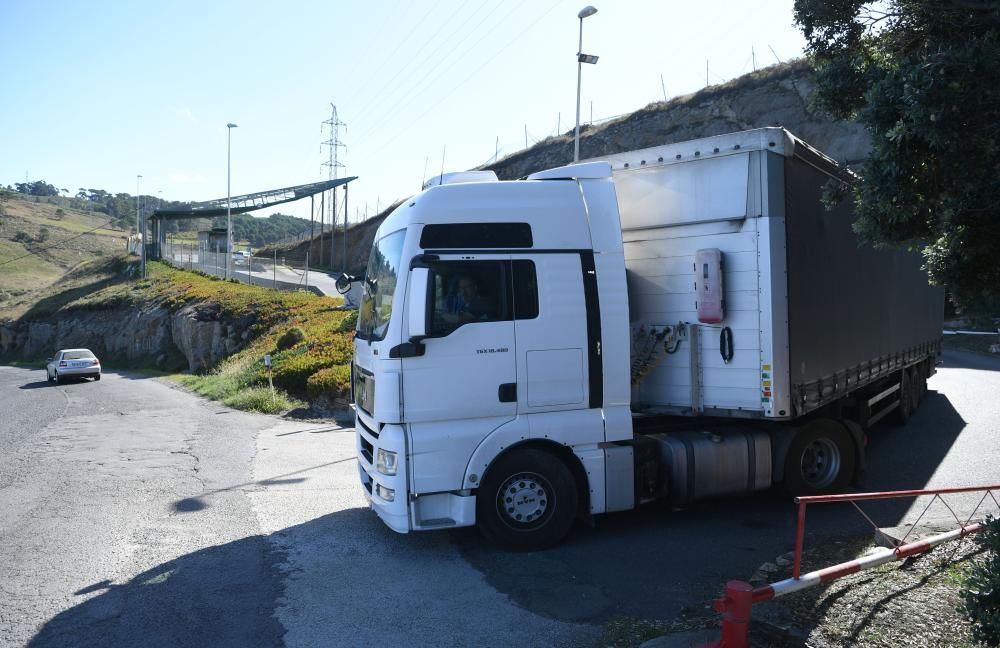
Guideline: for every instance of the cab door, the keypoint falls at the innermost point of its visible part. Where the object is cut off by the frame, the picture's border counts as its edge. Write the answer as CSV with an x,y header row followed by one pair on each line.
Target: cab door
x,y
464,384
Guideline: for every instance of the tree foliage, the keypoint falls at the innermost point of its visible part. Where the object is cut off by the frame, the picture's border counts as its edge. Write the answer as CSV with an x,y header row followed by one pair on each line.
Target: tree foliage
x,y
261,231
36,188
923,77
981,592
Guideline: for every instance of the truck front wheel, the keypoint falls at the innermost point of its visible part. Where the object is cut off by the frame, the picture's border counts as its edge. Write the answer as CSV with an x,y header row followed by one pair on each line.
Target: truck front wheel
x,y
821,459
527,500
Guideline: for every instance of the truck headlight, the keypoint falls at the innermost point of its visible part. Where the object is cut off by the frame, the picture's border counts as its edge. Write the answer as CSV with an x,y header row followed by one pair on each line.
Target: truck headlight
x,y
385,462
387,494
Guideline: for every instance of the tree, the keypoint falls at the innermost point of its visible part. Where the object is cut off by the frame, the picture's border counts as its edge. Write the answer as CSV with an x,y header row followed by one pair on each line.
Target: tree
x,y
36,188
922,77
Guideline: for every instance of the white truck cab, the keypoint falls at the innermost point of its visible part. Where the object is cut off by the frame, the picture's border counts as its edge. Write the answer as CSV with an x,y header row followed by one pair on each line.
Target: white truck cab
x,y
487,355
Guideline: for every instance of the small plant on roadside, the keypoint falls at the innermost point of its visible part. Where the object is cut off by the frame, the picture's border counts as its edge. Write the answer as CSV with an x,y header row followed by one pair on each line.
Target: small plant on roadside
x,y
290,338
262,399
982,587
349,323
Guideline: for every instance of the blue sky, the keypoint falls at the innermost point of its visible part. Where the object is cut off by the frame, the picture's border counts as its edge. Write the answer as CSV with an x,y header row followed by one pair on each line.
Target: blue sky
x,y
96,93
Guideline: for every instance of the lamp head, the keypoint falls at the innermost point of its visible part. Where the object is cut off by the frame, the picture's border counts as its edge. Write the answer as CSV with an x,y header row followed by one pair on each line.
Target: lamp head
x,y
231,126
586,11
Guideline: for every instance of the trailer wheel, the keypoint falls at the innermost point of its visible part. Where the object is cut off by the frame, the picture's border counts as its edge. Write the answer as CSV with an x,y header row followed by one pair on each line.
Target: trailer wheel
x,y
527,500
921,382
901,415
821,459
914,388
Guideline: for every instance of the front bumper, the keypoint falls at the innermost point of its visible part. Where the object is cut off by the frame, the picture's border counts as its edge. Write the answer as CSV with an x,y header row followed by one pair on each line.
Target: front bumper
x,y
368,440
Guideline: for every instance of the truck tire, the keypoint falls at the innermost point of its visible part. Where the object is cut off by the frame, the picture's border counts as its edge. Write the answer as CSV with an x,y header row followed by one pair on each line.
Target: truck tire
x,y
821,459
901,415
528,500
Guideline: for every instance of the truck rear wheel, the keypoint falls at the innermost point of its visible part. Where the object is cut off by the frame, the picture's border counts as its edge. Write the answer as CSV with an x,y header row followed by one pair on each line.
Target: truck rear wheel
x,y
527,500
821,459
901,415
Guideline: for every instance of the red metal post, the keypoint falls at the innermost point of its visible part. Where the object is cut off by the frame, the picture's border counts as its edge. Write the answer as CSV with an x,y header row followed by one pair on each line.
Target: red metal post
x,y
735,610
800,531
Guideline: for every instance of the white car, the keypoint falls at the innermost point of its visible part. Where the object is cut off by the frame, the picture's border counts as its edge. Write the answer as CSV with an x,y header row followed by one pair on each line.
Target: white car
x,y
73,363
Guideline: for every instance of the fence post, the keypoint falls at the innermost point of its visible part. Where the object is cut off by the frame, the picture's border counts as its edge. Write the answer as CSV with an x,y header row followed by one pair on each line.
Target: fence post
x,y
307,269
274,268
216,258
735,610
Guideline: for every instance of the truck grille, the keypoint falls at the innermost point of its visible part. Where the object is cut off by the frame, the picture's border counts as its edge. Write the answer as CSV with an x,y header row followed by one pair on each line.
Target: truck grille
x,y
364,389
367,451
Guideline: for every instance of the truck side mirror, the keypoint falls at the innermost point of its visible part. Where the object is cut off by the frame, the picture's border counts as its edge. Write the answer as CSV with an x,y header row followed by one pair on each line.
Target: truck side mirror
x,y
418,314
343,283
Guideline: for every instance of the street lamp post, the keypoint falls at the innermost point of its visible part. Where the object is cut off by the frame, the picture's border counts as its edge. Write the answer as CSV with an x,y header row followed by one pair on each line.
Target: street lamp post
x,y
229,215
581,58
138,216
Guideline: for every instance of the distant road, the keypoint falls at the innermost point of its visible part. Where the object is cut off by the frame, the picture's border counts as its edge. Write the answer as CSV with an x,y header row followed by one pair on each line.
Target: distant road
x,y
263,272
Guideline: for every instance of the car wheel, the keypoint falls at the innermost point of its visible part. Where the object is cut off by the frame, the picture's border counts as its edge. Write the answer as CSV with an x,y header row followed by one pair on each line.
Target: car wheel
x,y
55,378
48,376
528,500
97,377
820,460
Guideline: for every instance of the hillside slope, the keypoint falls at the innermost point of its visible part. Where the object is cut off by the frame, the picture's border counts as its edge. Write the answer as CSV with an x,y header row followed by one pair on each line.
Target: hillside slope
x,y
43,238
774,96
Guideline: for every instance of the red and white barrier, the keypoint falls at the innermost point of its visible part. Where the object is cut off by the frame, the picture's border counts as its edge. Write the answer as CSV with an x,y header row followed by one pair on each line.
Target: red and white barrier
x,y
740,596
874,559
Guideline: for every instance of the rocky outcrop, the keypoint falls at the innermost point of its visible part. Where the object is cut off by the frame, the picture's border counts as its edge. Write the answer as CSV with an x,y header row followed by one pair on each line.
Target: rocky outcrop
x,y
204,337
194,338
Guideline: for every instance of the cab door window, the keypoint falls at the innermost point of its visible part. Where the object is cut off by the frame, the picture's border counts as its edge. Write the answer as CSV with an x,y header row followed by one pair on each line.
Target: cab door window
x,y
469,292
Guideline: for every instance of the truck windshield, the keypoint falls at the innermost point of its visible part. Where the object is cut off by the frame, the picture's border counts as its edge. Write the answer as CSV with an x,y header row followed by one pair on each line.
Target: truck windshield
x,y
379,285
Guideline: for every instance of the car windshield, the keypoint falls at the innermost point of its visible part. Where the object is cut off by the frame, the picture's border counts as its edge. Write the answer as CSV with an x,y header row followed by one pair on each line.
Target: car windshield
x,y
81,354
379,286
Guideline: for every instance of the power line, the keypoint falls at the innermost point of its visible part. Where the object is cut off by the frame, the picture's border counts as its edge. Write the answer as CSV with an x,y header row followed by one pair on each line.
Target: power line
x,y
419,83
412,60
461,83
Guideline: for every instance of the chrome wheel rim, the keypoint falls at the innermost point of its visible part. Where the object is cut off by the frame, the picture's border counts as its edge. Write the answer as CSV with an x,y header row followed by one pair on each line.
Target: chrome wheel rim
x,y
525,500
820,463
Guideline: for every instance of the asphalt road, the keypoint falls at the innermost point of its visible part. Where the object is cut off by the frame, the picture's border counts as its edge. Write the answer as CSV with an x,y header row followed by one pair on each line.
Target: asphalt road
x,y
136,514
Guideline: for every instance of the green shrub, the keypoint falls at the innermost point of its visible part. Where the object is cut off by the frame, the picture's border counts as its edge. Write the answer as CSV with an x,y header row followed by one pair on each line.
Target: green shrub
x,y
290,338
982,588
331,382
349,323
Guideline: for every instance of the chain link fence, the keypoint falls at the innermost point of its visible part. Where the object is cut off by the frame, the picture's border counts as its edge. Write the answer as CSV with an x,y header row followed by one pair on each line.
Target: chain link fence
x,y
274,271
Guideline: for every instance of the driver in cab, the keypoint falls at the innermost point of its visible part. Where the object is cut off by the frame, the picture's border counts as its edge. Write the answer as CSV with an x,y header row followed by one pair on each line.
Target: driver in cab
x,y
468,305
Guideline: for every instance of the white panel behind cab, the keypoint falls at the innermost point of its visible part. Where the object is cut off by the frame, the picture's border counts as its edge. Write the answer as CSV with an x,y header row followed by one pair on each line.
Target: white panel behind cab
x,y
702,190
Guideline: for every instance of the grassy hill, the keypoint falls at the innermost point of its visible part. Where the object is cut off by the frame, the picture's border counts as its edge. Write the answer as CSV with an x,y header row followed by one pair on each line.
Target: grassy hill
x,y
41,239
